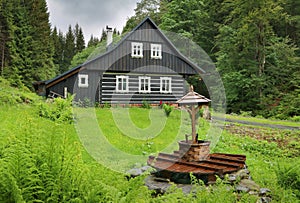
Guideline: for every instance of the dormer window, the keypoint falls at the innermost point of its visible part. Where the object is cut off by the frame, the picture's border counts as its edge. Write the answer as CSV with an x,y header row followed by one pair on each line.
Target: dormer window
x,y
136,50
156,51
83,80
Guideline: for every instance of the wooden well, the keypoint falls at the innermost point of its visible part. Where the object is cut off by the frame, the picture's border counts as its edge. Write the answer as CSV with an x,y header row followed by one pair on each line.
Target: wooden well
x,y
189,151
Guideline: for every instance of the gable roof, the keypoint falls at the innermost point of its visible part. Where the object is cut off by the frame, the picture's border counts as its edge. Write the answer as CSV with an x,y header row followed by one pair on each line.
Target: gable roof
x,y
75,70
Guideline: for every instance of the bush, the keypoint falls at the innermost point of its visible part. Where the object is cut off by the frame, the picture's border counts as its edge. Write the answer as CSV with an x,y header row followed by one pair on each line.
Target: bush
x,y
146,104
106,105
85,103
58,110
295,118
11,95
168,109
246,113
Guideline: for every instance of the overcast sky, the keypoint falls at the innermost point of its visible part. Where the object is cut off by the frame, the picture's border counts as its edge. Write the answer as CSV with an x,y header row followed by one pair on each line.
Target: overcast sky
x,y
91,15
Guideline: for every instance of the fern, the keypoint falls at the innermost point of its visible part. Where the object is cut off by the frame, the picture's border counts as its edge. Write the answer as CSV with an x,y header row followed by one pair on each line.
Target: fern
x,y
60,110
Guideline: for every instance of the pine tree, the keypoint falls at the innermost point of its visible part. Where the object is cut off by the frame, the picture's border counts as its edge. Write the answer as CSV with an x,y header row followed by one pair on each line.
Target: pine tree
x,y
28,51
79,38
69,50
93,41
43,49
103,35
19,68
5,33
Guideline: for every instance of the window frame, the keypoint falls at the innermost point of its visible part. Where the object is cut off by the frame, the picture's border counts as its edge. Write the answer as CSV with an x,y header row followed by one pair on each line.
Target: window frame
x,y
162,83
144,78
156,51
124,78
86,80
137,50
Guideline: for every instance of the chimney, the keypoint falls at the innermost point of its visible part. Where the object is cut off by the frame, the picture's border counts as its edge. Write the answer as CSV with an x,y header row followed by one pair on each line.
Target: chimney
x,y
109,33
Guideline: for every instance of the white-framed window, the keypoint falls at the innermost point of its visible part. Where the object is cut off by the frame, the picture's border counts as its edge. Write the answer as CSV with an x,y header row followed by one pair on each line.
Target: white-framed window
x,y
83,80
156,51
122,83
165,84
144,84
136,49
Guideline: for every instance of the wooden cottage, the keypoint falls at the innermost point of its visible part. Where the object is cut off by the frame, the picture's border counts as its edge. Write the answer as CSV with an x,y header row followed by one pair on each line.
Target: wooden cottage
x,y
144,65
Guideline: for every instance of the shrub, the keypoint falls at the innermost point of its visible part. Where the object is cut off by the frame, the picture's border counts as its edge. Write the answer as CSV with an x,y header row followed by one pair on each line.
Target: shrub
x,y
11,95
246,113
86,102
295,118
168,109
106,105
146,104
58,110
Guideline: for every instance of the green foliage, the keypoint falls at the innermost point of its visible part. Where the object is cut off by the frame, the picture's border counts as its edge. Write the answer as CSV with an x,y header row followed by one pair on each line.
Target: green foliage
x,y
11,95
43,161
145,104
29,49
82,56
59,110
91,52
246,113
296,118
85,103
143,9
288,176
256,64
79,38
106,105
69,49
168,109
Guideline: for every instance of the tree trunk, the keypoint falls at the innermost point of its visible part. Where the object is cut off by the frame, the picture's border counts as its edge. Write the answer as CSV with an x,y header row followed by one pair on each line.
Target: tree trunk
x,y
2,59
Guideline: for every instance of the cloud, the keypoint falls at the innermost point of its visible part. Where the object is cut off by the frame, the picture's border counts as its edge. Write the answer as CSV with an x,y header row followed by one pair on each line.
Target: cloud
x,y
91,15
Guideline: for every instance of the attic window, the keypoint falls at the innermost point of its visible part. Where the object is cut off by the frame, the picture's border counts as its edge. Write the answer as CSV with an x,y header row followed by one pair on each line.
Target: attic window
x,y
165,84
136,50
83,80
144,84
122,83
156,51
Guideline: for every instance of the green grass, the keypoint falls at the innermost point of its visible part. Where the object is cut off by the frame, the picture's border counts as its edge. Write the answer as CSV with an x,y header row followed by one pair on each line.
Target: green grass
x,y
44,160
143,140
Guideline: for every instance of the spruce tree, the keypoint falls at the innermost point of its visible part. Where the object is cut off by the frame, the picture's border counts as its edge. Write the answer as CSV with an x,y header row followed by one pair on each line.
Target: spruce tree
x,y
79,38
28,51
93,41
5,33
69,50
21,47
43,49
103,35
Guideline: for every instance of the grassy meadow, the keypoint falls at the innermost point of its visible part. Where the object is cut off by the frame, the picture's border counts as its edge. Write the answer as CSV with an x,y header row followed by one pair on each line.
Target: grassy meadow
x,y
44,157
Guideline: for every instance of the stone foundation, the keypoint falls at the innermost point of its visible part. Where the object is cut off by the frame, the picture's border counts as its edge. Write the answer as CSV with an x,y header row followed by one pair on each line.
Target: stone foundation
x,y
194,152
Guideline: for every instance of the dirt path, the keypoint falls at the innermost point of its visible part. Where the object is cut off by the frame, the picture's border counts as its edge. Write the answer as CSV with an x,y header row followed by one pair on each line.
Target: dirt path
x,y
275,126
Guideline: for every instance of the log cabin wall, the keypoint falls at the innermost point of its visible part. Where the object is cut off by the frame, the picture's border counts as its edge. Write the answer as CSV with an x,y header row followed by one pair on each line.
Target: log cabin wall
x,y
109,94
